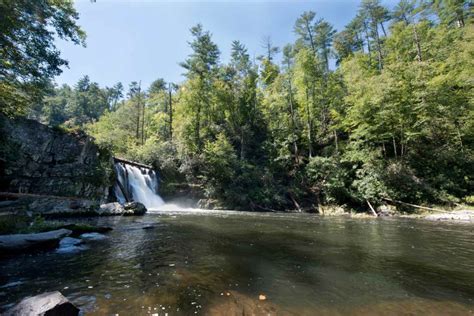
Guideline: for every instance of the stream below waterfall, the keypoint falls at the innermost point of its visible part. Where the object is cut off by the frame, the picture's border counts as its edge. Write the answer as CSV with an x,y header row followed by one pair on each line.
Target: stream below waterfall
x,y
220,263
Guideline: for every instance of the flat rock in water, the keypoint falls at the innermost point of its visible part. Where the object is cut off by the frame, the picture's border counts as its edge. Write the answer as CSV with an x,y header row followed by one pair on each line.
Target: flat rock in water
x,y
25,242
70,245
93,236
47,304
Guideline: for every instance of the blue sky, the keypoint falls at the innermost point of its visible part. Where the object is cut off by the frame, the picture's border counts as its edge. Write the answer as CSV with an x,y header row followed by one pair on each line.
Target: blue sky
x,y
145,40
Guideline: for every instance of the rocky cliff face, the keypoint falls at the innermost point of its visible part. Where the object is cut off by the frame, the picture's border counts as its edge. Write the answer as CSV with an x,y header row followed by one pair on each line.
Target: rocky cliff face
x,y
41,160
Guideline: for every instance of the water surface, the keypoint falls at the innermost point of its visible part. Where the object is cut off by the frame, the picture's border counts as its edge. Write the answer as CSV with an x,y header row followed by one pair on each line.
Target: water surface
x,y
219,263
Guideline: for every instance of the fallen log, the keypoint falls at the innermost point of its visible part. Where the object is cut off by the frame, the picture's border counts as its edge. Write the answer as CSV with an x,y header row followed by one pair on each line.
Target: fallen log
x,y
133,163
414,205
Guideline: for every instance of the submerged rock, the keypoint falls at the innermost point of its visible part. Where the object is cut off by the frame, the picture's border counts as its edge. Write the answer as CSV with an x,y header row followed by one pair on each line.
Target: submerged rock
x,y
70,245
93,236
29,242
235,303
47,304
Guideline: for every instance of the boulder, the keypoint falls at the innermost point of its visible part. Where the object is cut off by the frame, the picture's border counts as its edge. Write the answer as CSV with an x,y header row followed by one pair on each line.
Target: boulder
x,y
108,209
70,245
28,242
134,208
386,210
47,304
57,206
115,208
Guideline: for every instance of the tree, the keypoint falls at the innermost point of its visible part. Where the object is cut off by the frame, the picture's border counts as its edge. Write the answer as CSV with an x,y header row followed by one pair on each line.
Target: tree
x,y
201,68
324,35
454,12
28,56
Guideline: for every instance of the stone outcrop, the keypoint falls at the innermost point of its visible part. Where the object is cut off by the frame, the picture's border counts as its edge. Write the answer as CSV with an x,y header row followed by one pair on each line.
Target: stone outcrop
x,y
47,304
35,158
11,244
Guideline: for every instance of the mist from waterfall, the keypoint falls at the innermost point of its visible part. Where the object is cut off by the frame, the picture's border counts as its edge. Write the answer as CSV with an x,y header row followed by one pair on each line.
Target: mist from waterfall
x,y
137,184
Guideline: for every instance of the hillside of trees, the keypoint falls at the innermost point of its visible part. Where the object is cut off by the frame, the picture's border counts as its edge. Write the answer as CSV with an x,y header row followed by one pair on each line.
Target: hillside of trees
x,y
394,119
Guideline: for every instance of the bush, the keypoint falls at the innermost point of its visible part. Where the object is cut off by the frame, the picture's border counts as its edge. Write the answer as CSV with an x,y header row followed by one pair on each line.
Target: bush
x,y
327,179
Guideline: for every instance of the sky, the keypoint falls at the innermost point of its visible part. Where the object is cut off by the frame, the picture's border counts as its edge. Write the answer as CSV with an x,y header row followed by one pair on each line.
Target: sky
x,y
143,40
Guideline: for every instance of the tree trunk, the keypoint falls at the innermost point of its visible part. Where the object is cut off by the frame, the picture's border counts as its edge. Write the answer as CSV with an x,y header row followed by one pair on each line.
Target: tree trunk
x,y
394,147
379,47
137,132
417,43
143,123
310,126
197,130
383,29
367,38
170,112
293,121
372,209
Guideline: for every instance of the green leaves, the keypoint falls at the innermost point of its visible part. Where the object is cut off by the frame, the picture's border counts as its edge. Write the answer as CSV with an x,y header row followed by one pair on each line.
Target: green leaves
x,y
29,58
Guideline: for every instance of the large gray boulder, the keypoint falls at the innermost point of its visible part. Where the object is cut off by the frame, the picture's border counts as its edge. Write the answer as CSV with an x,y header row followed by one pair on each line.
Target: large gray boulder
x,y
47,304
131,208
27,242
109,209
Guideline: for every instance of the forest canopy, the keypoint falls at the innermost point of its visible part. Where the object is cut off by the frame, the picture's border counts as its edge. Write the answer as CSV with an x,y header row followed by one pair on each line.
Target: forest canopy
x,y
393,120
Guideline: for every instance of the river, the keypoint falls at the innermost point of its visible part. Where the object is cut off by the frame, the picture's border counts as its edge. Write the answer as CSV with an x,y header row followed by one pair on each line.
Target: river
x,y
221,263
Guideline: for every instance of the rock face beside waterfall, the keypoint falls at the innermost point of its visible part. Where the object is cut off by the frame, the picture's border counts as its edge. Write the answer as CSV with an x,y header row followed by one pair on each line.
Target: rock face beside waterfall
x,y
41,160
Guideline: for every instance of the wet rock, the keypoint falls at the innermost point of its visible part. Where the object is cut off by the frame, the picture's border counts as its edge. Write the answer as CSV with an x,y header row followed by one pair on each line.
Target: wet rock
x,y
29,242
386,210
135,208
235,303
78,229
111,209
93,236
131,208
70,245
47,304
150,226
56,206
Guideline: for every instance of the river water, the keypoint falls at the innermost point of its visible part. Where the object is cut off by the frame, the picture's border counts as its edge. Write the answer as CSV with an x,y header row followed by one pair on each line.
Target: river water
x,y
220,263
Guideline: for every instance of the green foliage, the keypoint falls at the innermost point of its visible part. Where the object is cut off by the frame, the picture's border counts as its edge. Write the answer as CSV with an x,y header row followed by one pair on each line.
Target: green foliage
x,y
394,120
328,179
28,56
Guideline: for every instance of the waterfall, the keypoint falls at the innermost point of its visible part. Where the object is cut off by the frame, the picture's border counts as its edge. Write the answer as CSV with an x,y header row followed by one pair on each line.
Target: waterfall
x,y
137,184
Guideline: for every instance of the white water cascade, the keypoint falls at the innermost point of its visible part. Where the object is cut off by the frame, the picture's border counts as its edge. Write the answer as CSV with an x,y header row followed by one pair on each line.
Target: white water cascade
x,y
137,184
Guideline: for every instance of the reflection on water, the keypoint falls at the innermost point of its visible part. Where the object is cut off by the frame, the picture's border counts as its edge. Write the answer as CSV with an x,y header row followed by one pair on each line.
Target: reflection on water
x,y
218,263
